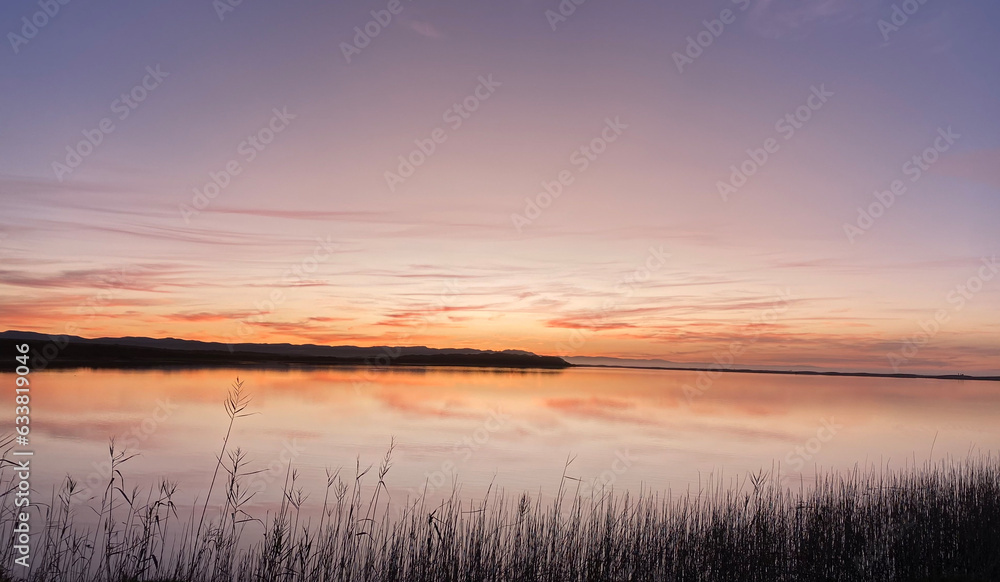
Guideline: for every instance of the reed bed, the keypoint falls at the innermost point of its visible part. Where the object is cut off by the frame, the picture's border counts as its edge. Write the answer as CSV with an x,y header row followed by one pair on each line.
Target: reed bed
x,y
937,521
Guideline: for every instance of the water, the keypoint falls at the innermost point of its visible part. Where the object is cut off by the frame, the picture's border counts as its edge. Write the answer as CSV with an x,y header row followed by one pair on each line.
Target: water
x,y
514,430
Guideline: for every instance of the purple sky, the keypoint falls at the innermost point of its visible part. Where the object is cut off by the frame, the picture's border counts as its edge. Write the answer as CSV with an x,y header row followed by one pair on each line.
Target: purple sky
x,y
317,232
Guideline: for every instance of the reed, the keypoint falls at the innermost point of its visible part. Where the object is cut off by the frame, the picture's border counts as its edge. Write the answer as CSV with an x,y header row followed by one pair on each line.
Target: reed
x,y
936,521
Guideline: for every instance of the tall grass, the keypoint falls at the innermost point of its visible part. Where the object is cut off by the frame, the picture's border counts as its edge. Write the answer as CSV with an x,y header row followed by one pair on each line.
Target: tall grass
x,y
934,522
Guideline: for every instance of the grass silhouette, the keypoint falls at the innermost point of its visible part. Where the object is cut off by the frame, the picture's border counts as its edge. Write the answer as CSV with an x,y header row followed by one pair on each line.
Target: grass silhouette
x,y
937,522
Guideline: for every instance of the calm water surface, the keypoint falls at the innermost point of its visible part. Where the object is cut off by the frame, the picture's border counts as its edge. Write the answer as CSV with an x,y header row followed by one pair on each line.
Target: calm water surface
x,y
630,429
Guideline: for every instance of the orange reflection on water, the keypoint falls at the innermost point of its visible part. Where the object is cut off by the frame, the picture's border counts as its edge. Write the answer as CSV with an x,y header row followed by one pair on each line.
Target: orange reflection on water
x,y
626,428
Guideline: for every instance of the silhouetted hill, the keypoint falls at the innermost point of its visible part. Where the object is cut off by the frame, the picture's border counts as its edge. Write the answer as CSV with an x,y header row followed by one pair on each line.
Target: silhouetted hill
x,y
143,352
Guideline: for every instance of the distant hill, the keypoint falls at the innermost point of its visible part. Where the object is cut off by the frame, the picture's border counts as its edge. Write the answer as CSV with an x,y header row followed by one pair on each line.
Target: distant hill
x,y
658,363
143,352
654,364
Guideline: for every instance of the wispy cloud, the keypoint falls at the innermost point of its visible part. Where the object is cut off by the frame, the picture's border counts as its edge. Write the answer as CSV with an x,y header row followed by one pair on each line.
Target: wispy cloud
x,y
425,29
132,278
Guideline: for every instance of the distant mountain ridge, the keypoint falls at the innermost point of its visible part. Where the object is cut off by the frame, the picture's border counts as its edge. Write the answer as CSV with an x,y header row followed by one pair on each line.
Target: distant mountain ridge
x,y
143,352
659,363
254,348
76,351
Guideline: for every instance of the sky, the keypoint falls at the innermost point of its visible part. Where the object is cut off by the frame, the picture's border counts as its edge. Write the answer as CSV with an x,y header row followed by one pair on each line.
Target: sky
x,y
742,182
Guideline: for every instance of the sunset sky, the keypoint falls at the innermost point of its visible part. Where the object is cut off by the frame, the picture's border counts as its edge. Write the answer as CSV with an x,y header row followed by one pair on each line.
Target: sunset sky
x,y
320,236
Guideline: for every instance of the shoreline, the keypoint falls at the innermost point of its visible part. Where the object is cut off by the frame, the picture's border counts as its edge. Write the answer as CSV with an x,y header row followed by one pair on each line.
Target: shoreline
x,y
803,372
103,354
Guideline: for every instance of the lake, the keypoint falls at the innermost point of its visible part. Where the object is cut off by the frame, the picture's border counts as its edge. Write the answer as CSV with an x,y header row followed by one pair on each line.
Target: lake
x,y
515,430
